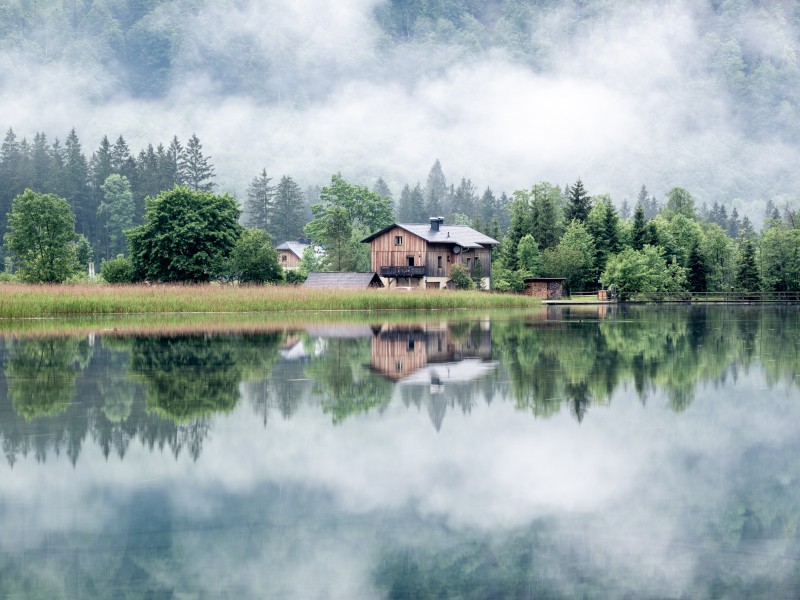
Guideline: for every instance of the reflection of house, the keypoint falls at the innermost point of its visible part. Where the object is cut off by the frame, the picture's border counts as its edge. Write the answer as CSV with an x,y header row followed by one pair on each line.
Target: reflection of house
x,y
343,280
426,354
290,254
423,255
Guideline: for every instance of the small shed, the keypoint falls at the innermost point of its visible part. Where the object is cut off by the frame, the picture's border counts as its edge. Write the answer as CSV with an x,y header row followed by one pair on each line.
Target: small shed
x,y
546,288
355,281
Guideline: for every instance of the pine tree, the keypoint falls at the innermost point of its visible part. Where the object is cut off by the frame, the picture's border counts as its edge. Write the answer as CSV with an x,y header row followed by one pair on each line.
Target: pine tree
x,y
465,198
486,206
9,167
578,203
435,191
171,173
638,232
260,202
382,189
195,167
287,222
747,279
42,163
403,207
625,210
698,272
734,224
75,187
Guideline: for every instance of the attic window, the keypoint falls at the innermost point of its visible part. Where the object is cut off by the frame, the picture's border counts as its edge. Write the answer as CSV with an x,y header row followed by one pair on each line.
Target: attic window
x,y
398,240
283,258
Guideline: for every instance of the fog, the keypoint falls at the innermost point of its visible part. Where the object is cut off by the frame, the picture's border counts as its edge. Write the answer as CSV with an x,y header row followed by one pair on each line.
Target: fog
x,y
309,89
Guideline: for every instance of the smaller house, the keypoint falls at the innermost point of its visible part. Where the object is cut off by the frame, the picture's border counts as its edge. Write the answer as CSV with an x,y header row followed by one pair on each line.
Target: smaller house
x,y
290,254
546,288
355,281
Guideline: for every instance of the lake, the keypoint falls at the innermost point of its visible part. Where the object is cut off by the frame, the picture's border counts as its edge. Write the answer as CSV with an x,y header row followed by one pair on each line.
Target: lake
x,y
569,452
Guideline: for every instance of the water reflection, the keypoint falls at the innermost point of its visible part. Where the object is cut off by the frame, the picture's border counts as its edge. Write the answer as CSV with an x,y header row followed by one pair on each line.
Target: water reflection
x,y
570,453
165,390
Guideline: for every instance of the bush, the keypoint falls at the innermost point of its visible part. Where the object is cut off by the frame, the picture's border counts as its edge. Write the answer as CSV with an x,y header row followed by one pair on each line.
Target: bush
x,y
460,277
117,270
295,277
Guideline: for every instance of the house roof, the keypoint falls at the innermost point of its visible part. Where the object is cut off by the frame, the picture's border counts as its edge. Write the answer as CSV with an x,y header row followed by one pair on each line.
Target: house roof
x,y
343,280
296,248
464,236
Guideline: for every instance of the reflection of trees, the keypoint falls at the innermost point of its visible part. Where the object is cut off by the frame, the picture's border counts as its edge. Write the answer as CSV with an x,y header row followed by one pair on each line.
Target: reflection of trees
x,y
343,381
41,374
186,377
582,362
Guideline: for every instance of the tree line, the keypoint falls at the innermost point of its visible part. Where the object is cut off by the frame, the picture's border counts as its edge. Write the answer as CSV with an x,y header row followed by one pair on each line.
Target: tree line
x,y
545,230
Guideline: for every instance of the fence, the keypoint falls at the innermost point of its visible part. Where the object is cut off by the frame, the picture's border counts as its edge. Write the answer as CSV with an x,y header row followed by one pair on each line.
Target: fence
x,y
715,297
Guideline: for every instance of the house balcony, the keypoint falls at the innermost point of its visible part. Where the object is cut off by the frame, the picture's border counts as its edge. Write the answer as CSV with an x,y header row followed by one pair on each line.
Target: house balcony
x,y
403,271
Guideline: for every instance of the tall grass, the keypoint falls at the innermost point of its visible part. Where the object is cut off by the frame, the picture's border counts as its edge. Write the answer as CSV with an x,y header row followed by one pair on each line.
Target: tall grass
x,y
19,301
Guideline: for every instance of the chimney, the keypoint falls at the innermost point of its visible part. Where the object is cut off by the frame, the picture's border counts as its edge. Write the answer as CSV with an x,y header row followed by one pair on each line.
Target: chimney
x,y
435,223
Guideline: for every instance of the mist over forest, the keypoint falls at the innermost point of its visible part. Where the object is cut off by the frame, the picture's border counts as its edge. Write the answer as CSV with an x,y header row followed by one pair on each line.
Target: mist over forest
x,y
702,95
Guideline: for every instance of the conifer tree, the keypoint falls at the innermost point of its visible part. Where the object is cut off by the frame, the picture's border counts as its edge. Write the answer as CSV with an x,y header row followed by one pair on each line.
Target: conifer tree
x,y
382,189
698,272
578,203
747,279
435,191
195,167
260,202
734,224
289,206
638,232
74,186
42,163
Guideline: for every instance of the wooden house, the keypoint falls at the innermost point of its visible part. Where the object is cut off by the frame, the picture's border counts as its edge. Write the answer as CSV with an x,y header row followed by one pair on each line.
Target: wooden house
x,y
422,256
290,254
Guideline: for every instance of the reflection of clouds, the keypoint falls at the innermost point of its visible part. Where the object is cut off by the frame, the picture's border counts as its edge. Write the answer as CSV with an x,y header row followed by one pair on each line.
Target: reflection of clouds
x,y
635,475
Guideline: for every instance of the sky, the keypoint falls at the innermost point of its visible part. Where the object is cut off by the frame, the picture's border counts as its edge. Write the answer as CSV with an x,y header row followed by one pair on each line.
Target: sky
x,y
619,105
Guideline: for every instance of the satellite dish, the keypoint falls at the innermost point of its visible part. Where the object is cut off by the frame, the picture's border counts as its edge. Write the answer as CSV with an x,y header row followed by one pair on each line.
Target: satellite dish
x,y
456,249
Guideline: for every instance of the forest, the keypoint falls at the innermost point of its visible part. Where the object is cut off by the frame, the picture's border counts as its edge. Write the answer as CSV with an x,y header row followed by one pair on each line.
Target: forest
x,y
648,245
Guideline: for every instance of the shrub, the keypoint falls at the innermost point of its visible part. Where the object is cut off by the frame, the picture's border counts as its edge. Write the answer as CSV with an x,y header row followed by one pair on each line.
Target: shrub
x,y
117,270
295,277
460,277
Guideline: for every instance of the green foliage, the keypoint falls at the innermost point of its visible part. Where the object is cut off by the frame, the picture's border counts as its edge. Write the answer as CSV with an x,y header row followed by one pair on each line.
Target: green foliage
x,y
679,202
117,270
40,237
529,258
579,203
636,271
780,258
310,262
83,254
187,235
116,210
254,259
697,271
295,276
603,226
747,278
461,278
573,258
477,274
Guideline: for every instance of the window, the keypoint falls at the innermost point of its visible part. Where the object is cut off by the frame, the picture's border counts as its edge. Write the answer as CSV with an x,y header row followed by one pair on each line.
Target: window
x,y
410,346
439,262
398,240
283,258
409,261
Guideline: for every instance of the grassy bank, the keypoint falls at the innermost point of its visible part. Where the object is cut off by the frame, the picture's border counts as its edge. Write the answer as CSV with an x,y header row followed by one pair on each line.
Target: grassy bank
x,y
18,301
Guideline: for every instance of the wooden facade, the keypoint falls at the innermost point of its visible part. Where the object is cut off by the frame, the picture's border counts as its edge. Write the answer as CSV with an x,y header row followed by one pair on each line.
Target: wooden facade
x,y
288,259
398,247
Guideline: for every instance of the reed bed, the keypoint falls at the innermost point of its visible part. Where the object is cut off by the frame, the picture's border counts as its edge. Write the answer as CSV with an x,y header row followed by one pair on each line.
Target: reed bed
x,y
20,301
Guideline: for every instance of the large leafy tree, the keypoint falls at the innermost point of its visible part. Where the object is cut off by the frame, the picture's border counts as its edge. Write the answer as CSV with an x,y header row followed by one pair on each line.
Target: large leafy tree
x,y
254,258
186,236
40,237
362,208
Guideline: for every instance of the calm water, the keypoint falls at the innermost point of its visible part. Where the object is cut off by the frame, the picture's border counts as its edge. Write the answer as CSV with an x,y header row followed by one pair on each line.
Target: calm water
x,y
564,454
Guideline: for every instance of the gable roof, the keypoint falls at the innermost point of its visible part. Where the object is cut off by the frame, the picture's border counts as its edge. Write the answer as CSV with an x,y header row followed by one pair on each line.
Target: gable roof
x,y
296,248
464,236
343,280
